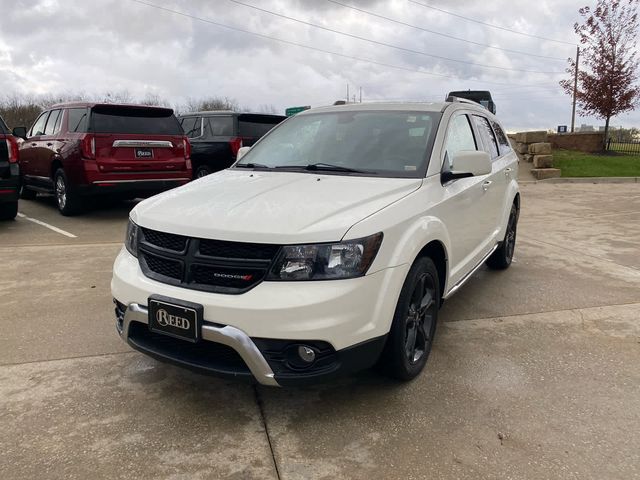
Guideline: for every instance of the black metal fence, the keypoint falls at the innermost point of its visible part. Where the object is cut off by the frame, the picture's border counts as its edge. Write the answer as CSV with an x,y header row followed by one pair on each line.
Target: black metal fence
x,y
623,147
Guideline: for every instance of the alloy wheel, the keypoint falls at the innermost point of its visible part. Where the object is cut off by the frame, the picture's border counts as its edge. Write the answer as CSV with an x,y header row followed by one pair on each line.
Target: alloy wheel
x,y
61,192
420,319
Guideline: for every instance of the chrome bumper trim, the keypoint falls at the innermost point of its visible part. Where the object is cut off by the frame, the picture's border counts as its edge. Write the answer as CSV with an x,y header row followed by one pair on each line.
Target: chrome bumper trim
x,y
143,143
227,335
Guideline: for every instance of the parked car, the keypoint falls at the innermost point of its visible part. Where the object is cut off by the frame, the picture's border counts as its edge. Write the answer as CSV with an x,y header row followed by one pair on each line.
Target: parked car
x,y
77,150
9,173
327,248
217,136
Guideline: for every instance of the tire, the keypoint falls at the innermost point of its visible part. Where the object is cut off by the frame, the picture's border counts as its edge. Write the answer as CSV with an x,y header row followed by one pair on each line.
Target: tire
x,y
414,323
68,202
8,211
26,193
502,257
202,171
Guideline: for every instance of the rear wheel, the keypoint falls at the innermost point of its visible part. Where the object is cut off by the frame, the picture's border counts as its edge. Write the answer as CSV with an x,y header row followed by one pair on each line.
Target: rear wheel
x,y
202,171
414,322
8,211
68,202
502,257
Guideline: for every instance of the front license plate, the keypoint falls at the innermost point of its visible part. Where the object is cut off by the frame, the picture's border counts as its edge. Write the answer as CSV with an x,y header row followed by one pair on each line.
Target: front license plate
x,y
175,318
144,153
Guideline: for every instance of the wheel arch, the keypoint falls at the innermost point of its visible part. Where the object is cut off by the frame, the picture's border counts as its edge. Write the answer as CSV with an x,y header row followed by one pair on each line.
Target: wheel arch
x,y
437,252
56,163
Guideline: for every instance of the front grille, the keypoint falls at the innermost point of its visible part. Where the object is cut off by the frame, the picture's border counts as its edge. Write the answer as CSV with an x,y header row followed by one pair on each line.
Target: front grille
x,y
203,354
204,264
163,266
169,241
216,248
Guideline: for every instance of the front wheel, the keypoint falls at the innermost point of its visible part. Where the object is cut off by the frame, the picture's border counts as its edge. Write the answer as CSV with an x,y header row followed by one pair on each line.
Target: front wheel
x,y
414,322
68,202
502,257
8,211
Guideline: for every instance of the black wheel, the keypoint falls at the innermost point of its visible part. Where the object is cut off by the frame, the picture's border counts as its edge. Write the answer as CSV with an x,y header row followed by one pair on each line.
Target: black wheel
x,y
68,202
502,257
202,171
414,322
27,193
8,211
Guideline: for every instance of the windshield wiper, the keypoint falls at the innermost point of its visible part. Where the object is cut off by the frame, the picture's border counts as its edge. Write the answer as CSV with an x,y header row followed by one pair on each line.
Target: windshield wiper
x,y
251,165
327,167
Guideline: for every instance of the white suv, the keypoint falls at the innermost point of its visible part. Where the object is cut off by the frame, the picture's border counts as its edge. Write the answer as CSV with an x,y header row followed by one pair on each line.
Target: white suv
x,y
328,247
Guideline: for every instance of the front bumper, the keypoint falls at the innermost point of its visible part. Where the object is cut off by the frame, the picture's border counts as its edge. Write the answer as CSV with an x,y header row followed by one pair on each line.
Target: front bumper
x,y
344,321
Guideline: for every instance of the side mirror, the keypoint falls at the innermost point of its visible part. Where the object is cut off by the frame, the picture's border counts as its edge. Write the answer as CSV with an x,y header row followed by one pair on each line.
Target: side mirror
x,y
242,152
468,163
20,132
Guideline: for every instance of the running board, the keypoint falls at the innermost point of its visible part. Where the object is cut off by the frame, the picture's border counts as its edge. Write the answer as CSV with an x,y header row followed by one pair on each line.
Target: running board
x,y
468,275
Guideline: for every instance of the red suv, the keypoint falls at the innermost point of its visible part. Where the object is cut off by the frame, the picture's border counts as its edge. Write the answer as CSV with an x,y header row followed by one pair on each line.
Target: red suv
x,y
83,149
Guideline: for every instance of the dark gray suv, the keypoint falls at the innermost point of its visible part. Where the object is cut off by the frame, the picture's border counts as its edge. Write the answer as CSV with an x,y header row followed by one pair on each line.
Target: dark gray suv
x,y
216,136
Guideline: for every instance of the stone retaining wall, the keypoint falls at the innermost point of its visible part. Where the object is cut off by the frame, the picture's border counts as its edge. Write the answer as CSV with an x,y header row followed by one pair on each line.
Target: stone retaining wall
x,y
589,142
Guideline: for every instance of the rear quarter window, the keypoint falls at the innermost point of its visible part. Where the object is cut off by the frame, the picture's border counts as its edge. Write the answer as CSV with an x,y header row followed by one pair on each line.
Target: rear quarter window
x,y
503,141
221,126
78,119
134,120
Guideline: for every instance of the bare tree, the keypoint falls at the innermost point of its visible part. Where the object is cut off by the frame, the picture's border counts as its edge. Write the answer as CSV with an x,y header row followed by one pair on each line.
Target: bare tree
x,y
607,86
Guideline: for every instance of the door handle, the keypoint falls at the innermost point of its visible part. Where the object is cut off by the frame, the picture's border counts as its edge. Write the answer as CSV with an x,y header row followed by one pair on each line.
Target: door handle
x,y
486,185
49,144
507,171
34,144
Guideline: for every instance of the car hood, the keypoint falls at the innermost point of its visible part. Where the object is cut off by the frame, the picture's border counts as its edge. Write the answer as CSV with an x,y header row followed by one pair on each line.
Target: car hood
x,y
270,207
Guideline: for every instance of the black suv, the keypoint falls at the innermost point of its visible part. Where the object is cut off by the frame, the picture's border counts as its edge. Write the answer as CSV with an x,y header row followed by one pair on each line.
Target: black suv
x,y
9,173
217,136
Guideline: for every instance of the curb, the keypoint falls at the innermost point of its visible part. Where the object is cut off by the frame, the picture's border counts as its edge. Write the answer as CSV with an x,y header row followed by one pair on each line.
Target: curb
x,y
585,180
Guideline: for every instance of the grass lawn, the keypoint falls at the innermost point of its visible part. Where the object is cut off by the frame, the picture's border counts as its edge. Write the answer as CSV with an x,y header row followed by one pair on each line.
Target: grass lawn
x,y
580,164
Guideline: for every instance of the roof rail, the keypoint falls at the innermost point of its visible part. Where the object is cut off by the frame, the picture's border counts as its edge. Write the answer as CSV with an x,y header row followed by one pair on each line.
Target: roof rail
x,y
451,98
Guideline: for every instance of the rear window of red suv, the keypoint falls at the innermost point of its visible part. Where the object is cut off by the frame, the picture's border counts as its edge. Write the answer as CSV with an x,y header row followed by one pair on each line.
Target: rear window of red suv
x,y
135,120
3,127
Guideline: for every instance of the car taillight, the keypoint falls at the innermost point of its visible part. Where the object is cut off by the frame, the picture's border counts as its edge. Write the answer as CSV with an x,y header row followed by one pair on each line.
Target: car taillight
x,y
12,147
187,147
88,146
235,144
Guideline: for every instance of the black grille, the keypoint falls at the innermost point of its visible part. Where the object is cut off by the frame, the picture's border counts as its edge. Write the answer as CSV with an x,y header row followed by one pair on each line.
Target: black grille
x,y
203,354
203,264
217,248
163,266
169,241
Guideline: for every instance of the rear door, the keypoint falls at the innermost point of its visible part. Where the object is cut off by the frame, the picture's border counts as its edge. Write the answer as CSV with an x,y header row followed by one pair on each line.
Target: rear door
x,y
495,184
47,145
137,139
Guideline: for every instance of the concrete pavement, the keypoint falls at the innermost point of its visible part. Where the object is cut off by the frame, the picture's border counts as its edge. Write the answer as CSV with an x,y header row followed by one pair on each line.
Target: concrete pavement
x,y
533,374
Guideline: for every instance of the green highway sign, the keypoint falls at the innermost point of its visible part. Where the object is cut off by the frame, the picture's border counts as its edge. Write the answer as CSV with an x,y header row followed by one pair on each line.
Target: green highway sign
x,y
289,112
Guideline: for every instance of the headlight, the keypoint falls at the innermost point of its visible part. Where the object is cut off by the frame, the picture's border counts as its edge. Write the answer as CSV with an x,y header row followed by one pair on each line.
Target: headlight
x,y
326,261
131,239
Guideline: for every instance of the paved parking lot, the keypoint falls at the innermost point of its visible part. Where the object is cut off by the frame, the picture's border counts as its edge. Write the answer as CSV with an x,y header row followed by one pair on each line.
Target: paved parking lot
x,y
534,372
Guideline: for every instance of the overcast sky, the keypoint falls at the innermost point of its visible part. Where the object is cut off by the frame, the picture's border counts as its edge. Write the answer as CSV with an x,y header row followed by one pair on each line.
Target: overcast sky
x,y
57,46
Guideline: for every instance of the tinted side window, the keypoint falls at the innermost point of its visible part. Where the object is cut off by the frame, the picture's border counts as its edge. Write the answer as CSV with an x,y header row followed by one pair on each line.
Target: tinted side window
x,y
503,141
488,138
192,127
38,127
51,123
78,119
459,137
3,126
218,126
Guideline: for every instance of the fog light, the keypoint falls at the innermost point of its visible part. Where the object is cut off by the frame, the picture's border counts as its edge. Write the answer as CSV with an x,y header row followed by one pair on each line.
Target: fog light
x,y
307,354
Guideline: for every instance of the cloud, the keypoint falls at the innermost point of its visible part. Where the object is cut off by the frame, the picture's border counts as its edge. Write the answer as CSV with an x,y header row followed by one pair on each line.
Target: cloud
x,y
49,46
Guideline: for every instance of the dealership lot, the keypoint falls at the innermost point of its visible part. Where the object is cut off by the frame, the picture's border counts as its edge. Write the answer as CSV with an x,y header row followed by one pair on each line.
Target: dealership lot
x,y
534,372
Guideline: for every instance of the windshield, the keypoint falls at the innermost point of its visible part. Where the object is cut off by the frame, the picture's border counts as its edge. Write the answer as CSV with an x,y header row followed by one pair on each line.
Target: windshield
x,y
380,143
